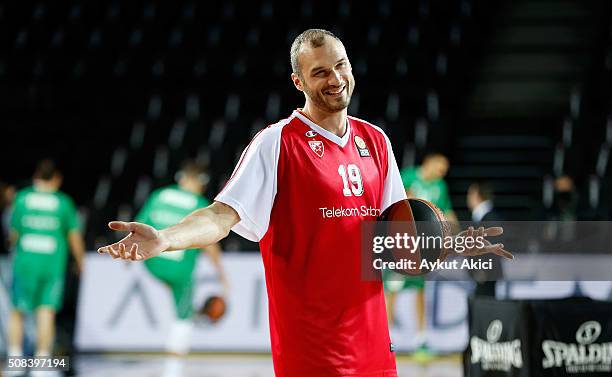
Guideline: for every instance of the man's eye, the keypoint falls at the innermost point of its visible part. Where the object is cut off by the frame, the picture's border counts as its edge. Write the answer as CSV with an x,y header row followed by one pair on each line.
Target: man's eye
x,y
320,73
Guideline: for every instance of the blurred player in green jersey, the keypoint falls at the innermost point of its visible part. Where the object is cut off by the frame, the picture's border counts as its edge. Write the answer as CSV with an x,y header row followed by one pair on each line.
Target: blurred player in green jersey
x,y
425,182
44,226
165,207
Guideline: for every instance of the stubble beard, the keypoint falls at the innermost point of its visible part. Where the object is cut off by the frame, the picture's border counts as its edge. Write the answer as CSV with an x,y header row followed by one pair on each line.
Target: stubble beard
x,y
330,106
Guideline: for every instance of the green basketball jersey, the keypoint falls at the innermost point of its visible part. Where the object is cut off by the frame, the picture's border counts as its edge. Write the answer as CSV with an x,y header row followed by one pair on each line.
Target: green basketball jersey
x,y
166,207
434,191
42,221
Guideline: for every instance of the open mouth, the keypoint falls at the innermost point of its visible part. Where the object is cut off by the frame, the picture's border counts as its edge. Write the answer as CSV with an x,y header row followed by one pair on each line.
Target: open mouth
x,y
335,92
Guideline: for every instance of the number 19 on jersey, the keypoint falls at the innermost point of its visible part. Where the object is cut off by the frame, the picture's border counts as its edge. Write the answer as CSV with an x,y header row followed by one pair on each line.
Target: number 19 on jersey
x,y
352,174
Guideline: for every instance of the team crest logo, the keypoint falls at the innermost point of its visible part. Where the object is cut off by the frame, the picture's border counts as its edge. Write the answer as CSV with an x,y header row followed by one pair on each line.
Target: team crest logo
x,y
362,148
310,133
317,147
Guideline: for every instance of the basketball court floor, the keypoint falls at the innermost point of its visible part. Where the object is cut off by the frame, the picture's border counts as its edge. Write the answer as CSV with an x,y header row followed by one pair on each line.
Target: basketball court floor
x,y
235,366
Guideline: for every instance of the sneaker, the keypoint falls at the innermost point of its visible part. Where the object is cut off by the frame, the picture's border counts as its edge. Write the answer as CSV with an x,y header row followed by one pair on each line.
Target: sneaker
x,y
422,354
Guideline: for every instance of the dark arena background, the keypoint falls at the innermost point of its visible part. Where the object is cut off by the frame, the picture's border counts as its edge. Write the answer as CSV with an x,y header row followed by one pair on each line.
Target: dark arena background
x,y
514,95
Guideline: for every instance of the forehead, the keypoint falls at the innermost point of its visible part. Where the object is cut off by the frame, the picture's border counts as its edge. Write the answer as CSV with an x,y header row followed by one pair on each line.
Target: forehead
x,y
437,160
443,162
327,54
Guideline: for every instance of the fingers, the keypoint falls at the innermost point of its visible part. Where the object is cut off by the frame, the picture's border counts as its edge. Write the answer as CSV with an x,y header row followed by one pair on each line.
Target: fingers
x,y
503,253
119,250
497,249
494,231
110,249
488,232
112,252
477,233
120,225
134,253
466,233
105,249
122,250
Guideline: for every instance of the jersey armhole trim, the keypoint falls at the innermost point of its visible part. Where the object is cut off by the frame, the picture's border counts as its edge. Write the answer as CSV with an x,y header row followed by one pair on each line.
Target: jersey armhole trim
x,y
258,235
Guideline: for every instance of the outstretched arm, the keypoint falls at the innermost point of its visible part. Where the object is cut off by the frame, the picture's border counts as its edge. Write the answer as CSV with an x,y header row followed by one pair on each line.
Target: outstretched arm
x,y
199,229
202,227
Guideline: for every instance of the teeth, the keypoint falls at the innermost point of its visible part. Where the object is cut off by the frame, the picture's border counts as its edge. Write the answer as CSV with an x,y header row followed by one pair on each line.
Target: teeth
x,y
336,92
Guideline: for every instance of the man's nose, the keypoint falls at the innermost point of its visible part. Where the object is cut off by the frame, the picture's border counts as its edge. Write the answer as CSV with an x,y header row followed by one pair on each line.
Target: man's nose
x,y
335,79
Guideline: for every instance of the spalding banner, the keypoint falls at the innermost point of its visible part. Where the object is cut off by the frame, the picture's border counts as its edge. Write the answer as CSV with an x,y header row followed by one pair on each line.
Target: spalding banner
x,y
498,339
573,337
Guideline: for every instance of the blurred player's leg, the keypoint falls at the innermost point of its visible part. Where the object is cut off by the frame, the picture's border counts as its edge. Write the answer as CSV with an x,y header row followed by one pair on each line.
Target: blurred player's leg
x,y
15,338
390,298
417,283
177,347
15,334
421,338
51,302
179,339
51,297
23,298
45,331
393,284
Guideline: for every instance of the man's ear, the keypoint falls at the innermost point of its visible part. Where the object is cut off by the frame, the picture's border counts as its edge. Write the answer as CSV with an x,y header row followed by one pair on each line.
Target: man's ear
x,y
297,82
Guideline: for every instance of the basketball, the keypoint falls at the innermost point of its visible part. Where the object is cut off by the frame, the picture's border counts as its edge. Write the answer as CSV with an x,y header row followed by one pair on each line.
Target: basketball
x,y
417,217
399,211
398,220
430,221
214,308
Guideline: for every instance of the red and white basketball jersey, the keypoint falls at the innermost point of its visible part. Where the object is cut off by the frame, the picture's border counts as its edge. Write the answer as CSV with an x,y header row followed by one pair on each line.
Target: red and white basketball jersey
x,y
302,192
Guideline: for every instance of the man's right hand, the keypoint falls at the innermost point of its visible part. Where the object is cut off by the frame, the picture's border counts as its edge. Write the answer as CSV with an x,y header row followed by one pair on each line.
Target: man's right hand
x,y
142,243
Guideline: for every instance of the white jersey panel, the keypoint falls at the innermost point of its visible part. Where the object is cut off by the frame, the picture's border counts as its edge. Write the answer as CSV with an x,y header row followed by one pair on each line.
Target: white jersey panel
x,y
252,188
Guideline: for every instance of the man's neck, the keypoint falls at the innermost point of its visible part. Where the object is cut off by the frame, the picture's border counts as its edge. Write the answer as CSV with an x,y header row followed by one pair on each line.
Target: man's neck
x,y
332,122
44,186
190,188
